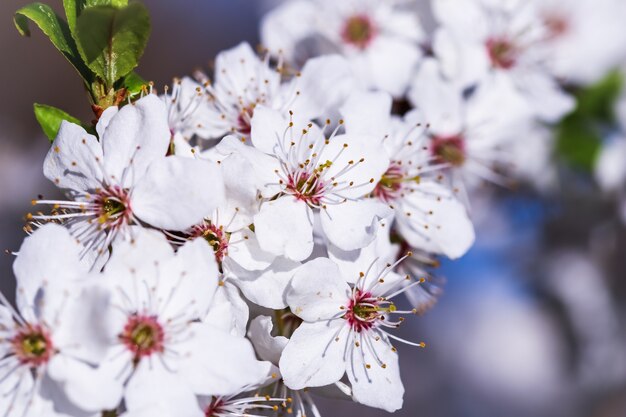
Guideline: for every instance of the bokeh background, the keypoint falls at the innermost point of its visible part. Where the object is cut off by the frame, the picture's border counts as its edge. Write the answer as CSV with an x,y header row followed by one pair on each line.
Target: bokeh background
x,y
532,322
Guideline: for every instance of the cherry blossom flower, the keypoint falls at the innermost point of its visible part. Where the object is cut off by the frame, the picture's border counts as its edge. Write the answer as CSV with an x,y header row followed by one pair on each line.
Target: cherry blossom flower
x,y
163,349
428,215
51,343
302,170
380,39
244,81
125,178
466,135
344,331
481,38
585,38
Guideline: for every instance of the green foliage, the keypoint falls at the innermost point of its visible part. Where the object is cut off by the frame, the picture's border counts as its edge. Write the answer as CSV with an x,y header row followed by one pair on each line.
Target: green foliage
x,y
55,28
50,119
111,40
579,135
102,39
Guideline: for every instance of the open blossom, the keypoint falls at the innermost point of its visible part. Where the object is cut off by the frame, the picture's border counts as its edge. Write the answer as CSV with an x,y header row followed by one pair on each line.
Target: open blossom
x,y
269,347
585,37
427,214
470,135
260,275
483,38
51,343
163,348
124,177
303,171
379,39
243,81
344,331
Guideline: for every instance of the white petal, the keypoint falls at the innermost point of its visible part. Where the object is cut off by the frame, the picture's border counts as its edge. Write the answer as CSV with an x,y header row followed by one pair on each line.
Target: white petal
x,y
439,100
152,381
177,193
138,132
367,113
547,99
146,248
189,281
354,262
325,82
392,63
268,128
376,386
240,204
228,311
317,291
283,27
610,167
86,387
284,227
83,322
363,156
105,119
353,224
314,357
268,347
74,160
50,255
247,253
263,165
266,288
219,363
450,231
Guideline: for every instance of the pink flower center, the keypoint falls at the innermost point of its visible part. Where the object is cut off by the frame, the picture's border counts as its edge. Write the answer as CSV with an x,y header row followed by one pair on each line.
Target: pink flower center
x,y
306,187
214,408
113,207
244,120
449,149
502,52
143,336
216,236
557,25
32,346
389,187
359,31
363,310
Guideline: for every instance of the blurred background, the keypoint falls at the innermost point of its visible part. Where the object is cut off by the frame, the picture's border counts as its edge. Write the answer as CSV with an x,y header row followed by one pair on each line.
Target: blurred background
x,y
533,320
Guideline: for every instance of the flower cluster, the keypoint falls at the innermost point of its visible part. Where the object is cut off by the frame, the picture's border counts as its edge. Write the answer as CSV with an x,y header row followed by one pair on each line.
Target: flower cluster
x,y
244,240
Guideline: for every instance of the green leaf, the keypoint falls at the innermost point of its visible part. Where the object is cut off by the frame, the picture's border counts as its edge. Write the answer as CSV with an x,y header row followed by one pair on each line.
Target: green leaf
x,y
112,40
597,101
55,28
133,82
73,9
578,143
114,3
50,119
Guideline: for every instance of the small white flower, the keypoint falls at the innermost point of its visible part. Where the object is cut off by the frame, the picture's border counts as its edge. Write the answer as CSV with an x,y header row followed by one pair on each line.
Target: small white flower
x,y
428,214
50,345
301,171
299,403
480,38
125,178
585,37
379,39
163,349
344,330
259,274
244,81
470,135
